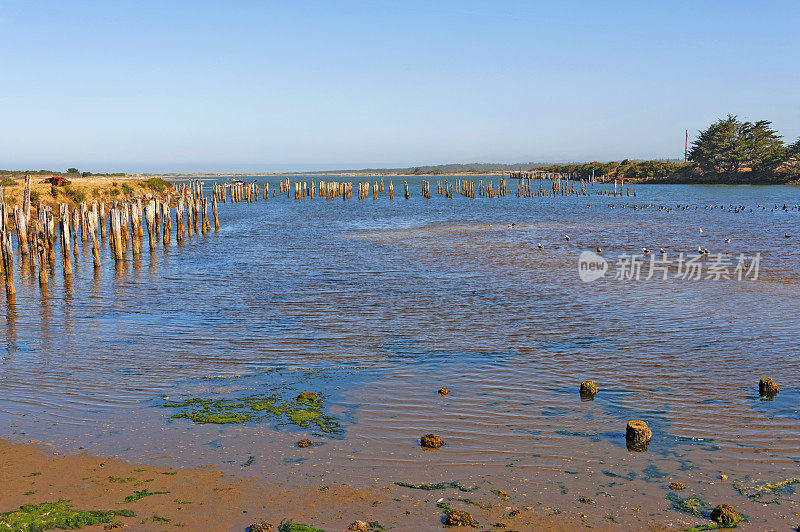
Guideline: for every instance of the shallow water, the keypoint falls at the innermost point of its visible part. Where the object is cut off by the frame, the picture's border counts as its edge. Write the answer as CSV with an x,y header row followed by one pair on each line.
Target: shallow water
x,y
379,303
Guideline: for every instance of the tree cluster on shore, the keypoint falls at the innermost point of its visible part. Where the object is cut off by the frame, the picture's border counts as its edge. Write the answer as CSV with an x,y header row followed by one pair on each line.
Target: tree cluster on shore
x,y
728,151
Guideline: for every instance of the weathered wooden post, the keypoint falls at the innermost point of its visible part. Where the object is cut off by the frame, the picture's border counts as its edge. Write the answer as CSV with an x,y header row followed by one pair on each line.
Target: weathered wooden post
x,y
180,228
166,219
102,220
206,224
216,213
136,222
22,230
8,261
84,230
40,251
65,238
26,201
150,216
116,232
91,224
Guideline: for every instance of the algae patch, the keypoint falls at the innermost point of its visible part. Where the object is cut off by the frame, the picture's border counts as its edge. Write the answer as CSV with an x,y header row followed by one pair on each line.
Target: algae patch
x,y
304,411
288,526
437,486
758,490
690,505
142,494
56,515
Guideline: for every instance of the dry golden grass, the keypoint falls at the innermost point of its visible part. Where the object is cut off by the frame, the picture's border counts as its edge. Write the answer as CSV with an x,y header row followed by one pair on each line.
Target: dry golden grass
x,y
89,189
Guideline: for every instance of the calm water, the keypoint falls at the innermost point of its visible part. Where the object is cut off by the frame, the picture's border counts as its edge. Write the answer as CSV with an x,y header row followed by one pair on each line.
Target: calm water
x,y
379,303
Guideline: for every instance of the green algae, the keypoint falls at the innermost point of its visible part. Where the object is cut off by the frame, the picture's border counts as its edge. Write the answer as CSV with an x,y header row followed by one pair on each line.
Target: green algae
x,y
437,486
304,411
56,515
120,479
288,526
690,505
757,490
157,519
142,494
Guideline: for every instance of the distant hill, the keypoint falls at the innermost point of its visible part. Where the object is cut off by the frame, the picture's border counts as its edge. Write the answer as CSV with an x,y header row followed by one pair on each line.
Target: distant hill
x,y
454,168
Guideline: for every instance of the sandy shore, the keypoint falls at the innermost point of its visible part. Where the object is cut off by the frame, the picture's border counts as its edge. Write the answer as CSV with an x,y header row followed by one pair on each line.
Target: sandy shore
x,y
205,499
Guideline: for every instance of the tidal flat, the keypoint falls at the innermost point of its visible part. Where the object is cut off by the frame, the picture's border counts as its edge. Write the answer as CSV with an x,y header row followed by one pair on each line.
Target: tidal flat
x,y
185,378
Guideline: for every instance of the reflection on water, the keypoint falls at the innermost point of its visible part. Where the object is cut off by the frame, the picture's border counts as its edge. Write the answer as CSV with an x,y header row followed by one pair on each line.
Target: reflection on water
x,y
394,300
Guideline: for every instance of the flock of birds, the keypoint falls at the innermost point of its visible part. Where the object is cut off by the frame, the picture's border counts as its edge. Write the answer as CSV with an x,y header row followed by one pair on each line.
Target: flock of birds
x,y
700,249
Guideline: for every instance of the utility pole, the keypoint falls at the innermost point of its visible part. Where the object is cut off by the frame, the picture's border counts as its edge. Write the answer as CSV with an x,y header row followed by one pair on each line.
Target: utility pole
x,y
686,147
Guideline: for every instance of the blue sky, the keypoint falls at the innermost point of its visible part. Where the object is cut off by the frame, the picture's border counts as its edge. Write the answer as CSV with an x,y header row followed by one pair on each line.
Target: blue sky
x,y
259,85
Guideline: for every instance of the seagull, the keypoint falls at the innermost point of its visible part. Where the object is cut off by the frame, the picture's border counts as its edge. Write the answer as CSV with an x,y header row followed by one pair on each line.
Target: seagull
x,y
645,250
567,237
701,230
540,246
599,250
663,251
727,240
786,235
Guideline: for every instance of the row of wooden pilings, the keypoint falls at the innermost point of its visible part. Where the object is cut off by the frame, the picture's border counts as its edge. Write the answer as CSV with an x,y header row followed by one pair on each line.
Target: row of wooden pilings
x,y
124,224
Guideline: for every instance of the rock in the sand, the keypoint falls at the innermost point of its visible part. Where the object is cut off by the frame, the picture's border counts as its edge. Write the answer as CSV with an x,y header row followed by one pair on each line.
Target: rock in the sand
x,y
263,526
677,486
305,443
443,391
725,515
431,441
460,518
767,386
588,389
358,526
637,436
637,430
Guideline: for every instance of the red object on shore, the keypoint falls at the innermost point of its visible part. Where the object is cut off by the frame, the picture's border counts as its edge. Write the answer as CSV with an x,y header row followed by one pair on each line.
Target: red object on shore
x,y
56,180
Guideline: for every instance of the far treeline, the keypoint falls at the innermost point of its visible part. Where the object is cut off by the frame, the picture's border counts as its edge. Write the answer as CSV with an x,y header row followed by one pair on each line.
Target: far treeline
x,y
71,172
729,151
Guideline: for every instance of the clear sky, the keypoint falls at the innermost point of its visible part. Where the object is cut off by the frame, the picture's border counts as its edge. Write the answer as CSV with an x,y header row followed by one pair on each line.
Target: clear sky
x,y
175,85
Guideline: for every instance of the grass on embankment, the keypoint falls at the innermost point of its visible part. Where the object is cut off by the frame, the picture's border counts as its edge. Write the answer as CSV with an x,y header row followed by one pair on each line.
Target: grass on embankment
x,y
90,189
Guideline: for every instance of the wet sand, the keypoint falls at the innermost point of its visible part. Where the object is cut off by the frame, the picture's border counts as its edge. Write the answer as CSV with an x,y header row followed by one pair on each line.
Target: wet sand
x,y
205,499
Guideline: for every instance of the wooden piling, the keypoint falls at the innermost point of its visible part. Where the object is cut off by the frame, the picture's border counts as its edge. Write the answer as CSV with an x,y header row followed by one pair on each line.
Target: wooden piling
x,y
65,239
91,224
150,216
116,233
8,261
166,219
216,213
22,230
40,251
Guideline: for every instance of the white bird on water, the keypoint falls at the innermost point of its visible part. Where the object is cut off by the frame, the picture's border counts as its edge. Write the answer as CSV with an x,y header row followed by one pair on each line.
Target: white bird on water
x,y
567,237
663,251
